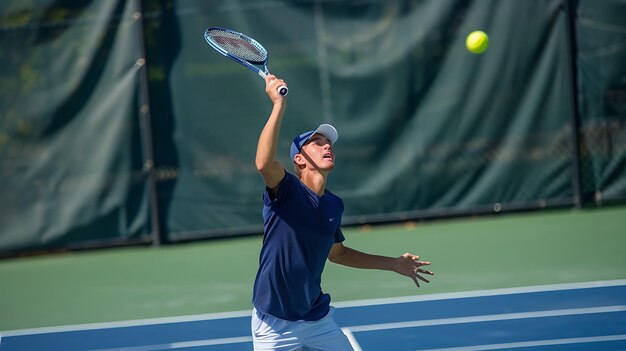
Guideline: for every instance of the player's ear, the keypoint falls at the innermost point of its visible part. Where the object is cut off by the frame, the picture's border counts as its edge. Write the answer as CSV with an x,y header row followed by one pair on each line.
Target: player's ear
x,y
299,160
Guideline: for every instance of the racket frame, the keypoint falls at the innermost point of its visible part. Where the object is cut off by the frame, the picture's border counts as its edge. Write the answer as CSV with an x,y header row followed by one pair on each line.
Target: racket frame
x,y
283,90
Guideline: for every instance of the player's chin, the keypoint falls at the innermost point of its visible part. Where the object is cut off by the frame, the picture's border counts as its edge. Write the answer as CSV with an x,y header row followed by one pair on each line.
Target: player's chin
x,y
329,164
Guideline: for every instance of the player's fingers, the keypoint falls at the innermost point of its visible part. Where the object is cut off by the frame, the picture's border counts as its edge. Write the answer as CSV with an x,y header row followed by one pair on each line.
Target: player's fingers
x,y
422,278
411,256
272,86
425,272
416,282
268,83
422,263
277,83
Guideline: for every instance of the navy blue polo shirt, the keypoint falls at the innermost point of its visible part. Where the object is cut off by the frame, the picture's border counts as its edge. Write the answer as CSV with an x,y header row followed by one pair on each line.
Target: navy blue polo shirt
x,y
300,229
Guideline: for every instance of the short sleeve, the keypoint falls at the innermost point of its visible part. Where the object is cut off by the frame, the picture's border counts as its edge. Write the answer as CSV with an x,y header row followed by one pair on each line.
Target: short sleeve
x,y
285,187
339,238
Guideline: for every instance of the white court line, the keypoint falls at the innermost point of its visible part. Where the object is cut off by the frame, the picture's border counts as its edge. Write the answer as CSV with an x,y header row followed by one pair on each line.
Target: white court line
x,y
130,323
488,318
348,331
183,344
211,342
482,293
368,302
355,344
534,343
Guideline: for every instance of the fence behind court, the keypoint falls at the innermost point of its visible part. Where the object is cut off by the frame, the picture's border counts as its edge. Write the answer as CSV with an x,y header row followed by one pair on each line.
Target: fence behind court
x,y
119,125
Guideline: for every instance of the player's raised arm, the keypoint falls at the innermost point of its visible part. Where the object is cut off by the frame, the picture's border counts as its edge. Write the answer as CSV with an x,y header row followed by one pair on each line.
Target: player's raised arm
x,y
271,170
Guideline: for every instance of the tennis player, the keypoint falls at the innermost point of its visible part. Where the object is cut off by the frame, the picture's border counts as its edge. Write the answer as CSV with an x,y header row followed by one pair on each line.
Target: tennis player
x,y
301,230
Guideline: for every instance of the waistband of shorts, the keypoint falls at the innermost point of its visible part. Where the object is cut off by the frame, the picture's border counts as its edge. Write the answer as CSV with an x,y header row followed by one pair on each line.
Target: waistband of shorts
x,y
264,316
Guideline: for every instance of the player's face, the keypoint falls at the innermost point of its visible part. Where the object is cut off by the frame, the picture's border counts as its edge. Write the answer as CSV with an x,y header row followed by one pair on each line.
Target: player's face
x,y
320,152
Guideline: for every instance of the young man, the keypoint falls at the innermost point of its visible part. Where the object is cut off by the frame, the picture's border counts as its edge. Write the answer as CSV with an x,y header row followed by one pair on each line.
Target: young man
x,y
302,229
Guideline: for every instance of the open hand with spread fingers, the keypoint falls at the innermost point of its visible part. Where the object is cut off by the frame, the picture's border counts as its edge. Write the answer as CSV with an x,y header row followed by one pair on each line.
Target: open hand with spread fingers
x,y
410,266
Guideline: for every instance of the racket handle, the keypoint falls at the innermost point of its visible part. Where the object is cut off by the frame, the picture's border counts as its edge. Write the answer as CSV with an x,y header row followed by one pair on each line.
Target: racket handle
x,y
283,90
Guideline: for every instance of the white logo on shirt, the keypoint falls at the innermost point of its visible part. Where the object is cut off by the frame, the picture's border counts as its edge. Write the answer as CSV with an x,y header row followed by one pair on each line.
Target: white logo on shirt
x,y
331,219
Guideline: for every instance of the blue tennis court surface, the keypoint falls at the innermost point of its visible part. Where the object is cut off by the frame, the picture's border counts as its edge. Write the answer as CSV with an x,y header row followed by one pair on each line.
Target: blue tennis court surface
x,y
580,316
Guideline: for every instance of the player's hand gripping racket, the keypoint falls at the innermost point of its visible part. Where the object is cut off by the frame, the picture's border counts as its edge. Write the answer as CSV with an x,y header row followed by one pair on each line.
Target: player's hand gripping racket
x,y
241,49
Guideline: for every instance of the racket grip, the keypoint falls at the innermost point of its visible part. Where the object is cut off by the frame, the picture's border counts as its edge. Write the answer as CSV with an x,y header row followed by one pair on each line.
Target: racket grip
x,y
283,90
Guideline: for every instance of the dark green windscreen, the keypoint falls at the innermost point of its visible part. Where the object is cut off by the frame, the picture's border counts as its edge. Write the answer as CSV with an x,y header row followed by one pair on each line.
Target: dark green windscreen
x,y
99,98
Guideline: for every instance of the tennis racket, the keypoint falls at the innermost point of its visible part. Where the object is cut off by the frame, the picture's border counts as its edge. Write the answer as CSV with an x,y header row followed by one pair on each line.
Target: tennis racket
x,y
241,49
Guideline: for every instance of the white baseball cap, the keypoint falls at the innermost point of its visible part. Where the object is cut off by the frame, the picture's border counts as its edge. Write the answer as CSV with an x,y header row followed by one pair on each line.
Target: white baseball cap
x,y
325,129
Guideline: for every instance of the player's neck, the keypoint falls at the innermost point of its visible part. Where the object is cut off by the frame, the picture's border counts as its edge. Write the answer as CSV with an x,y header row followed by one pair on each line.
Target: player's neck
x,y
315,181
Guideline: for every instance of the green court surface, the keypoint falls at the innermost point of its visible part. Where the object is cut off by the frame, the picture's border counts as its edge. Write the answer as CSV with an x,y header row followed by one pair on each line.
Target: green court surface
x,y
509,250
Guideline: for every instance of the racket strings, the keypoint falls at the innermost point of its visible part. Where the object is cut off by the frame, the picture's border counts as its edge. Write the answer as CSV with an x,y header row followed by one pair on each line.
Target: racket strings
x,y
238,46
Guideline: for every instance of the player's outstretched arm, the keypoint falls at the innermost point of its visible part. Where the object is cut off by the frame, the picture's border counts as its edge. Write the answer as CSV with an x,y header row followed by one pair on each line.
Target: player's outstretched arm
x,y
271,170
408,264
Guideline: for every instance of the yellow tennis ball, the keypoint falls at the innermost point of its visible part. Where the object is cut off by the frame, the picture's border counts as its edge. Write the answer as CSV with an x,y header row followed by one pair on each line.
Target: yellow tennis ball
x,y
477,42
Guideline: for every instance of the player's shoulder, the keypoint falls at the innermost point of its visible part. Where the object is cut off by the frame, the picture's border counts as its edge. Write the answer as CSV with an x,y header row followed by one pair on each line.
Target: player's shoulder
x,y
285,188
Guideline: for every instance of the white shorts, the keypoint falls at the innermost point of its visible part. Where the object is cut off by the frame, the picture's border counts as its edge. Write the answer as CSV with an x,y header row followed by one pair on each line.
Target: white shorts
x,y
271,333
